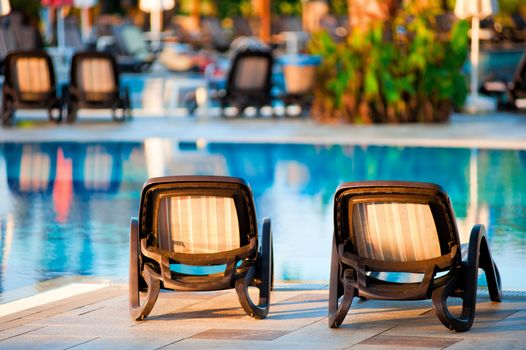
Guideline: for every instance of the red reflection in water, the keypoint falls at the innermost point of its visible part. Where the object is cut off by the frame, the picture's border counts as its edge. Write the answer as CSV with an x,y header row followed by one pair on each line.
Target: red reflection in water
x,y
63,189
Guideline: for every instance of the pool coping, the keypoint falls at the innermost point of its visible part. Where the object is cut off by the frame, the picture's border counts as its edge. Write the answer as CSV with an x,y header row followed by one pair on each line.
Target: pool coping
x,y
492,131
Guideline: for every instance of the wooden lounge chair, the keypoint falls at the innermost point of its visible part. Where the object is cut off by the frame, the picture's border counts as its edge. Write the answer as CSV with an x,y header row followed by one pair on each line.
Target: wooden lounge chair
x,y
405,227
29,83
95,84
249,80
206,221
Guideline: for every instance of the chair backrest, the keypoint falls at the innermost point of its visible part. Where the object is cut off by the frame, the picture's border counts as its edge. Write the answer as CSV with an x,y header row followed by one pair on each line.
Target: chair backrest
x,y
30,74
251,73
197,224
393,221
95,75
198,214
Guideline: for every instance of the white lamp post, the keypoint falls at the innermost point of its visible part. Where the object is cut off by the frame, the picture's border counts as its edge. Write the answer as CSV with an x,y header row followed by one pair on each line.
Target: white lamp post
x,y
477,10
156,8
84,6
5,7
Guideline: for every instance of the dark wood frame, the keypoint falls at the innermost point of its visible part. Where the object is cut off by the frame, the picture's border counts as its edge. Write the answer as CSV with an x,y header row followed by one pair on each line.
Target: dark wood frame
x,y
355,276
249,265
11,95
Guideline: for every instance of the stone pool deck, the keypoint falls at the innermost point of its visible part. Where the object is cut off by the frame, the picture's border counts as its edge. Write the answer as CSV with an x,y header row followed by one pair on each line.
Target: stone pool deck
x,y
495,130
214,320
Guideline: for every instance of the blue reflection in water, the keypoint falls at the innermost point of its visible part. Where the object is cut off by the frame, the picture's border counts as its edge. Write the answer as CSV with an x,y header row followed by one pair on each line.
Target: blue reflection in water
x,y
65,207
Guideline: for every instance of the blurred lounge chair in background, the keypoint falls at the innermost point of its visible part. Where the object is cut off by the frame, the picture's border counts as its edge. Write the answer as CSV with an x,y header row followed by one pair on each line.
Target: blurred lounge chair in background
x,y
94,83
509,94
248,81
29,84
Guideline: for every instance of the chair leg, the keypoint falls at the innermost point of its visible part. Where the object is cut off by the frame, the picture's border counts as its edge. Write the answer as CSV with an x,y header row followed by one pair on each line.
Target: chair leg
x,y
127,104
491,271
466,281
338,290
263,271
7,112
137,311
71,109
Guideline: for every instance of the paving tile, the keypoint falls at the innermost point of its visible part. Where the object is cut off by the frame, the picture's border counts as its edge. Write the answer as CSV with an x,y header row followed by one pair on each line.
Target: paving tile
x,y
318,335
17,331
475,343
236,334
126,343
42,342
410,341
199,344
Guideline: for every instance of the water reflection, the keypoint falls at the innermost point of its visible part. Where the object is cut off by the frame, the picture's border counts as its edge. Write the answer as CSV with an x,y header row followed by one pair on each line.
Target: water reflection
x,y
66,202
67,206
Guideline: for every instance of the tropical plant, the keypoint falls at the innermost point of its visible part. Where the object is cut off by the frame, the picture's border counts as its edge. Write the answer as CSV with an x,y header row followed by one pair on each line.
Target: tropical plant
x,y
404,70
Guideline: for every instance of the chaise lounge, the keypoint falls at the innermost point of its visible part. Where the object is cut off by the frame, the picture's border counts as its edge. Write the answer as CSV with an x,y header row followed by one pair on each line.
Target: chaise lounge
x,y
198,221
30,83
407,228
95,84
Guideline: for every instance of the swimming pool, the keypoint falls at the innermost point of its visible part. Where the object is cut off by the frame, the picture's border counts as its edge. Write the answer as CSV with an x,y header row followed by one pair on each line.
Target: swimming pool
x,y
65,207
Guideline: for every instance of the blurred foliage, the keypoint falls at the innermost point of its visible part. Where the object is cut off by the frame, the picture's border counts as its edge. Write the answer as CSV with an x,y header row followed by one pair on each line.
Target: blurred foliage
x,y
30,7
229,8
402,71
286,7
339,7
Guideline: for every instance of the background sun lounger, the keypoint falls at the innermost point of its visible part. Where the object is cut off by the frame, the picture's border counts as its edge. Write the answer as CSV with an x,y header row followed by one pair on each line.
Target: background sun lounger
x,y
249,80
94,83
29,83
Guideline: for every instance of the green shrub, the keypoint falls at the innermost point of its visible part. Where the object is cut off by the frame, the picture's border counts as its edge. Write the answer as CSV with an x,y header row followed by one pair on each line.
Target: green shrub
x,y
402,71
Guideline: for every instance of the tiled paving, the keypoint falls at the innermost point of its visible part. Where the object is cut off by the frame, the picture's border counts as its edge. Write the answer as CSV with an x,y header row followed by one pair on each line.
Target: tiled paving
x,y
214,320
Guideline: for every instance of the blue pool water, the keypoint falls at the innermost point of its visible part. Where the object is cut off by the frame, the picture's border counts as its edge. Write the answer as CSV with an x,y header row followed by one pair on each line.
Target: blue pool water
x,y
65,207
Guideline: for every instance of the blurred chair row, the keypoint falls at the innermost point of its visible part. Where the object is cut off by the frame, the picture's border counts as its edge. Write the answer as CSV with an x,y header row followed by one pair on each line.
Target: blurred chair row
x,y
94,83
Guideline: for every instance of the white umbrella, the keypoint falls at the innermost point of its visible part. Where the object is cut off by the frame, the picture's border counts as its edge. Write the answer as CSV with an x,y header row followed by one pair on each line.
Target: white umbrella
x,y
84,6
5,7
477,10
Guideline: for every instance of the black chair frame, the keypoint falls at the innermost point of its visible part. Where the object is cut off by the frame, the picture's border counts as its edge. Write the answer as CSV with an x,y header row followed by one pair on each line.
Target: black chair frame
x,y
245,266
76,98
12,98
355,276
